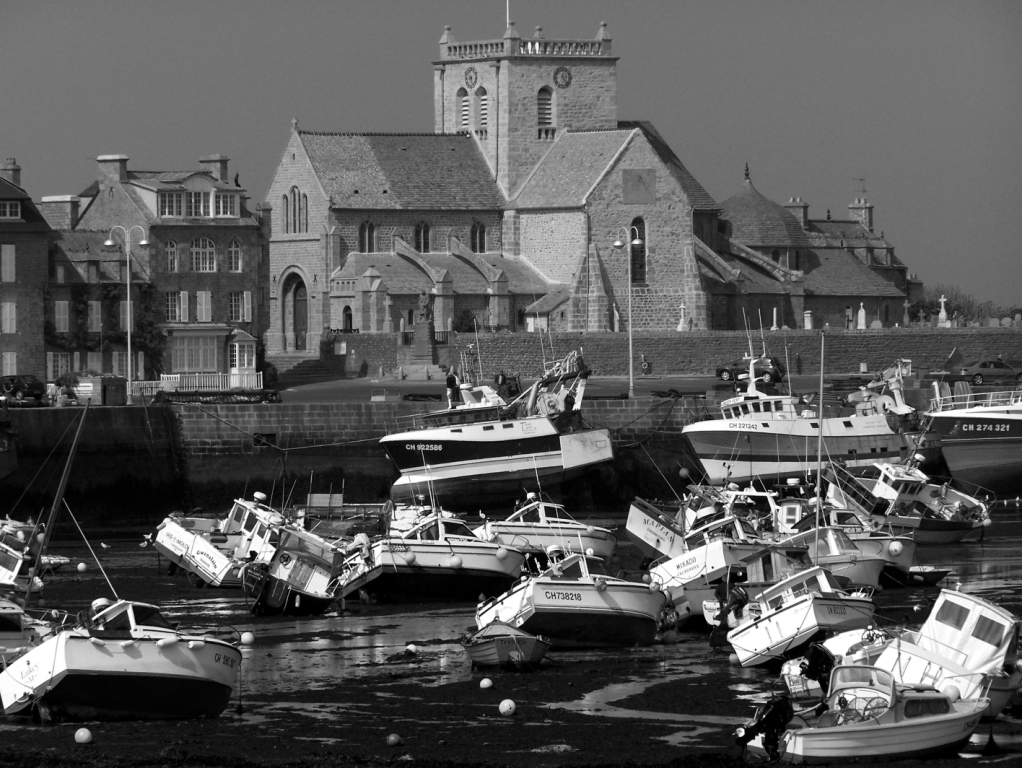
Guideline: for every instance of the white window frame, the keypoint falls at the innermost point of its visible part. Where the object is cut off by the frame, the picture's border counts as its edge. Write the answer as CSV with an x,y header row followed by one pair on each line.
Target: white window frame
x,y
242,356
61,364
172,306
194,354
8,262
95,317
10,364
8,317
170,204
120,363
61,317
197,205
184,306
227,205
203,251
234,256
235,307
10,209
170,249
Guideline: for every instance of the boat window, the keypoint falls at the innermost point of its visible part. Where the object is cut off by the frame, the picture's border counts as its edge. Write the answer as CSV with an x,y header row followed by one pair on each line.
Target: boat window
x,y
768,567
952,614
558,514
531,516
150,616
118,619
572,571
842,541
9,561
926,707
430,532
10,622
260,531
827,578
989,631
745,410
756,407
458,528
249,524
597,567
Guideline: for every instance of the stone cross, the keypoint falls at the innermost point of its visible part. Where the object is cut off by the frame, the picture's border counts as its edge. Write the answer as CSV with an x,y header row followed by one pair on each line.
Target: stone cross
x,y
942,317
681,320
388,319
905,318
861,320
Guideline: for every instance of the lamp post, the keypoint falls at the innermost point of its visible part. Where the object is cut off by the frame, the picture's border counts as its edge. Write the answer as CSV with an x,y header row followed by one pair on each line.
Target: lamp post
x,y
619,245
111,243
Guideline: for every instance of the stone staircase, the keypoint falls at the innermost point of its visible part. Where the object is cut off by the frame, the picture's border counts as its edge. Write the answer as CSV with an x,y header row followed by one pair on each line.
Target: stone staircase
x,y
293,371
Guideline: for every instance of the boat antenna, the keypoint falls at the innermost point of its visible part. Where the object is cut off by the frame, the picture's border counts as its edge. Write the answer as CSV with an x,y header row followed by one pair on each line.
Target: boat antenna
x,y
479,353
86,539
762,336
748,332
58,497
819,449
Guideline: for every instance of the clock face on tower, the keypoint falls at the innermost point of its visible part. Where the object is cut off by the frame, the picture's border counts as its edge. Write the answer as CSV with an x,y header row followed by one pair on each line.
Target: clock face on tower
x,y
562,77
471,77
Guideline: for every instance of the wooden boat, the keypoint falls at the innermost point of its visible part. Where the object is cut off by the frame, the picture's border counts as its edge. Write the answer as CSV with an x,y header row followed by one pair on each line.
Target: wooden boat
x,y
869,717
484,451
212,551
966,642
536,525
574,602
300,577
762,437
501,645
795,612
125,662
439,558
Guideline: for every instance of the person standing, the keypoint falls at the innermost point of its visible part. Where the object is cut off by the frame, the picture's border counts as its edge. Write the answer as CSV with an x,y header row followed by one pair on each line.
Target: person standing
x,y
453,386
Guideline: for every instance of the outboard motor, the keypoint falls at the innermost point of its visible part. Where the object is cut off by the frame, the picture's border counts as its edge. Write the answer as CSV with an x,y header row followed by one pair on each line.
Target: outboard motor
x,y
771,720
818,664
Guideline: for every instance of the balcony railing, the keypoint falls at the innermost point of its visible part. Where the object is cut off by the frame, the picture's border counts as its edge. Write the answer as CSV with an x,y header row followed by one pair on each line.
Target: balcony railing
x,y
198,382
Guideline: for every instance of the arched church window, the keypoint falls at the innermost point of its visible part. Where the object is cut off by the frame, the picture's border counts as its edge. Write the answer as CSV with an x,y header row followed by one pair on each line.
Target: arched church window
x,y
367,237
478,238
463,110
482,112
295,209
422,237
638,252
545,113
305,213
775,254
284,216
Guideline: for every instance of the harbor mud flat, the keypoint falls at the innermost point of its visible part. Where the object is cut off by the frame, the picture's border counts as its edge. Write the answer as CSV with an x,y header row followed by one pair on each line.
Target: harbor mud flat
x,y
332,690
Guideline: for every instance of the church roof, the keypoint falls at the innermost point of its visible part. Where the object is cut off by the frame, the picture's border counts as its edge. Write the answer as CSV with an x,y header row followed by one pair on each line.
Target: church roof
x,y
758,221
431,171
754,279
404,276
577,160
836,272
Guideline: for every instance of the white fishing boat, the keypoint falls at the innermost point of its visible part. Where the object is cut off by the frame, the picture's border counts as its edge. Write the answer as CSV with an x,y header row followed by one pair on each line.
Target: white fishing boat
x,y
832,549
766,438
125,662
212,551
658,529
869,717
980,436
537,525
486,450
299,579
795,612
902,498
16,570
501,645
966,644
440,558
574,602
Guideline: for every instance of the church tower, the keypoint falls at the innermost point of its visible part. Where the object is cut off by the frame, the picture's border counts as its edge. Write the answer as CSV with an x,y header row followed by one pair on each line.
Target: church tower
x,y
517,95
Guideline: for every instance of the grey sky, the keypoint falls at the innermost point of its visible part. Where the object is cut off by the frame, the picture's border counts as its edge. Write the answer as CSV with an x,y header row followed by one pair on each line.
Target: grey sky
x,y
923,98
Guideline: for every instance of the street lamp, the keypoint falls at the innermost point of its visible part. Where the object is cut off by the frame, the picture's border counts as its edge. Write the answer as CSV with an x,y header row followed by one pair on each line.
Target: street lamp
x,y
618,245
111,243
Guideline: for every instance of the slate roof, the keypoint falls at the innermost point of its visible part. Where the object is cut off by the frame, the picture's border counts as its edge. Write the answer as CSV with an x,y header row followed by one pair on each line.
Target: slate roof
x,y
835,272
32,220
758,221
548,303
848,233
432,171
698,198
755,280
404,276
569,169
81,246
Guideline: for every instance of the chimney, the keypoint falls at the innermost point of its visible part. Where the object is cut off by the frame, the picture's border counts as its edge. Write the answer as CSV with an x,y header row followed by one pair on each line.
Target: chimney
x,y
799,210
113,169
861,211
11,171
215,164
60,211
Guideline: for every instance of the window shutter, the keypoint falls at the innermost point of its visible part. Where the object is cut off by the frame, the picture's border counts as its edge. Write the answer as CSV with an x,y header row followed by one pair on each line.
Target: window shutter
x,y
248,307
77,358
7,253
49,366
184,306
202,309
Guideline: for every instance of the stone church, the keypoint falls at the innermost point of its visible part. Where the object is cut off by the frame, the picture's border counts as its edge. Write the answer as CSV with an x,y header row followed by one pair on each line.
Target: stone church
x,y
532,205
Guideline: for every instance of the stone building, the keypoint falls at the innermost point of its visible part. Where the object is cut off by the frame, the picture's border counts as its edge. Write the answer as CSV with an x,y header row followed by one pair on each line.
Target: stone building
x,y
197,276
532,205
24,239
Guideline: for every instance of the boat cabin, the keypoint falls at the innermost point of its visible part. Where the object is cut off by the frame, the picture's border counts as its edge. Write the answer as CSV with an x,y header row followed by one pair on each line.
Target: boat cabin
x,y
126,619
894,481
729,528
534,510
574,567
437,528
812,581
859,693
965,627
309,548
825,542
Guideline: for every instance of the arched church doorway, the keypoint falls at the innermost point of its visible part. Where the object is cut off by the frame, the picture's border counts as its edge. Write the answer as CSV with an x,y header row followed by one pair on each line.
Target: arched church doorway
x,y
296,311
347,319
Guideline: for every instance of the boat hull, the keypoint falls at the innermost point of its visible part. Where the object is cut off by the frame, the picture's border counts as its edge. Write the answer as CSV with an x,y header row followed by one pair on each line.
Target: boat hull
x,y
197,554
983,449
927,530
654,531
537,539
511,650
274,596
71,677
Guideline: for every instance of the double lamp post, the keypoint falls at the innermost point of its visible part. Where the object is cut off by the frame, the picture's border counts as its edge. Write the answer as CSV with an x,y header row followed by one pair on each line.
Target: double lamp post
x,y
618,246
111,243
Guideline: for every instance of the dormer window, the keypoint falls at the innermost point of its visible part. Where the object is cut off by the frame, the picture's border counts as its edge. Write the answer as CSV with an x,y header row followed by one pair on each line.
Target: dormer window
x,y
171,203
10,209
226,204
197,205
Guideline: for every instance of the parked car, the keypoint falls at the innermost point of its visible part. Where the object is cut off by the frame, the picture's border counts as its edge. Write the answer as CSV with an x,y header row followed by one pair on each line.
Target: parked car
x,y
768,369
985,372
21,386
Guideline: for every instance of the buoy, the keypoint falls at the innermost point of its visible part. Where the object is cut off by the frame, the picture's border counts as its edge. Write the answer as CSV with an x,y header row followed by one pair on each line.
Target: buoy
x,y
40,537
83,735
455,561
409,557
654,586
590,552
682,472
600,584
896,548
485,683
410,648
247,638
952,693
987,522
590,530
507,707
670,637
734,660
393,740
21,535
82,567
501,554
646,578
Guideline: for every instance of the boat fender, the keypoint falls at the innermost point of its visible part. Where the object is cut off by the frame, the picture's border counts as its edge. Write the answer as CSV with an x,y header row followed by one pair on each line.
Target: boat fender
x,y
96,641
163,642
601,585
952,692
194,644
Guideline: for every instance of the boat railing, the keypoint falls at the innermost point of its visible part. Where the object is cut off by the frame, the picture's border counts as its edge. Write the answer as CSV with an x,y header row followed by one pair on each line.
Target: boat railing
x,y
455,417
959,400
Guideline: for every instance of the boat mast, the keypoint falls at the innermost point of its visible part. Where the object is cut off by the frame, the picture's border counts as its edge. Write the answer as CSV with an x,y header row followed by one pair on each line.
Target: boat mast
x,y
819,449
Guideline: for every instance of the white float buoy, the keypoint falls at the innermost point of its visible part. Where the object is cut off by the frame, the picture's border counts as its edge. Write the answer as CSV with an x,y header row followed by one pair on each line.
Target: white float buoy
x,y
590,530
393,740
247,638
455,561
410,648
896,548
501,554
646,578
82,567
83,735
734,660
654,586
952,693
987,522
590,552
20,535
409,557
485,683
507,707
